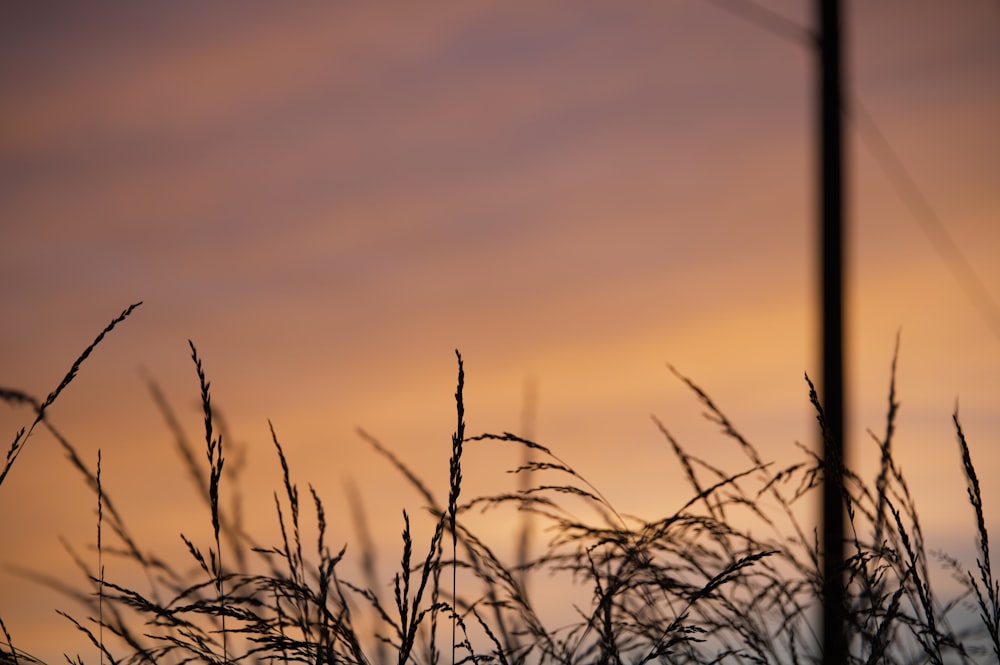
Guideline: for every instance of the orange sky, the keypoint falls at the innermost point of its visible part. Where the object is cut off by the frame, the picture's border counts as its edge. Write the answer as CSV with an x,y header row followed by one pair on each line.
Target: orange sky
x,y
329,199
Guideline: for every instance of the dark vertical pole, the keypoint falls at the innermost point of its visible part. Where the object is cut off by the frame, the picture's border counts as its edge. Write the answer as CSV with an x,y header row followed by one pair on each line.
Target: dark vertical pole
x,y
831,251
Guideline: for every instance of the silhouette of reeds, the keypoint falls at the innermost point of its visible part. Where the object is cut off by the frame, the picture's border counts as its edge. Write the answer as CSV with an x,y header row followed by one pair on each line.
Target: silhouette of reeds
x,y
22,436
729,576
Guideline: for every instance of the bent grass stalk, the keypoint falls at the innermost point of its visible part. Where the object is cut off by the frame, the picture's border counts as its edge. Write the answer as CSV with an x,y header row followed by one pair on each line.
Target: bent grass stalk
x,y
22,436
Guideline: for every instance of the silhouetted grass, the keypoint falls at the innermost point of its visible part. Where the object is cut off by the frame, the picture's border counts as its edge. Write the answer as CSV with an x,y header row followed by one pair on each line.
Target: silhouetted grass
x,y
730,576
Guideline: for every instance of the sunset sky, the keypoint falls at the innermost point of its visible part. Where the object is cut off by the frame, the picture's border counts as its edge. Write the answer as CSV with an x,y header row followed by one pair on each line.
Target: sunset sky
x,y
329,199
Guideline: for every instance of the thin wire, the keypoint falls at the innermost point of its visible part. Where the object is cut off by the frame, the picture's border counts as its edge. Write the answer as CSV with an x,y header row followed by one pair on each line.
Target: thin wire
x,y
768,20
906,187
923,213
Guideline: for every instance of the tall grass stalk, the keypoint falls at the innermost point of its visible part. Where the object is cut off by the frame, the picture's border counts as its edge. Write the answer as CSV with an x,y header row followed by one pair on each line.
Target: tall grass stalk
x,y
213,445
987,597
455,485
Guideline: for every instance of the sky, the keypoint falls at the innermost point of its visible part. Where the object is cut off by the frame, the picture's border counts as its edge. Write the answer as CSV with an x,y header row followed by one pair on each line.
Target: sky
x,y
329,199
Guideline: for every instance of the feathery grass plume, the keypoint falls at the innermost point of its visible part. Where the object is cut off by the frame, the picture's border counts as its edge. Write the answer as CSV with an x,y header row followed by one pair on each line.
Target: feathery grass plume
x,y
987,598
21,438
97,642
432,567
100,556
886,447
215,463
293,556
401,583
230,523
455,488
410,611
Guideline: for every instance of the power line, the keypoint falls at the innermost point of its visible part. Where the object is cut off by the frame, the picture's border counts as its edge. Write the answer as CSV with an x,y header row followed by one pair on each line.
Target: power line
x,y
888,160
768,20
923,213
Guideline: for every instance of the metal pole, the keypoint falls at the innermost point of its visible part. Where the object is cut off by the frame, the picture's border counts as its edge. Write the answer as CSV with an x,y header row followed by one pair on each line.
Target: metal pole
x,y
835,646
